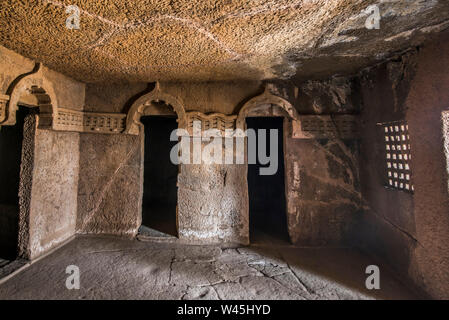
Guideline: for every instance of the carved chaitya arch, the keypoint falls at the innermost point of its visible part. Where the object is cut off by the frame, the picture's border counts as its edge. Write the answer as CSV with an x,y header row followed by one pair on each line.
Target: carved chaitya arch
x,y
266,98
137,110
36,84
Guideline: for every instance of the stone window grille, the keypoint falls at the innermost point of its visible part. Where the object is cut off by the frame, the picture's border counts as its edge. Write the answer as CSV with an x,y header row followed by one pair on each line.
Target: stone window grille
x,y
397,155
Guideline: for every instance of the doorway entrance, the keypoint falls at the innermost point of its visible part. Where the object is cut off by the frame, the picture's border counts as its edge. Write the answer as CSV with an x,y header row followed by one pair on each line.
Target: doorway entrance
x,y
11,138
160,175
267,202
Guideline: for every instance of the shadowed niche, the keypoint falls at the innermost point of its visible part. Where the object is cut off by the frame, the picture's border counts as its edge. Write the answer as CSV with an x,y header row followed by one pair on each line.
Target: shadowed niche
x,y
11,138
160,174
267,204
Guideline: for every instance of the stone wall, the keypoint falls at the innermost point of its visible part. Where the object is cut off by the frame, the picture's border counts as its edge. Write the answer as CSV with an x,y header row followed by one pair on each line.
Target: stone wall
x,y
50,162
48,188
388,224
323,190
110,184
53,205
111,179
445,120
428,97
411,231
213,199
213,204
322,175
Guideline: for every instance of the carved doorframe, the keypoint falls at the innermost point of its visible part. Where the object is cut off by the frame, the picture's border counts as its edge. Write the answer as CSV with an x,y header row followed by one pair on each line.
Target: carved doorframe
x,y
266,102
135,127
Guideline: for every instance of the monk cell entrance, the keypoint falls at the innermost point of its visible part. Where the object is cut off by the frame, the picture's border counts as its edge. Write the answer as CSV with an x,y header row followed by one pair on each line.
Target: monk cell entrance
x,y
267,203
160,176
11,138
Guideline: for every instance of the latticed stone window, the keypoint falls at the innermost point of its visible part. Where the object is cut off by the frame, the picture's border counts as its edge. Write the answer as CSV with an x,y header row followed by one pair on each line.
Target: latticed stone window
x,y
397,155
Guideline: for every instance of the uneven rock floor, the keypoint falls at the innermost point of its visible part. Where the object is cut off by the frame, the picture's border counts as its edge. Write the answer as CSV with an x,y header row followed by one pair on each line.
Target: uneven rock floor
x,y
8,267
3,262
113,268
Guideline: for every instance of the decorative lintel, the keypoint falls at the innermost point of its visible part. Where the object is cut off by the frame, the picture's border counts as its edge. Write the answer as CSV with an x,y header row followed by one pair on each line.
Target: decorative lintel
x,y
79,121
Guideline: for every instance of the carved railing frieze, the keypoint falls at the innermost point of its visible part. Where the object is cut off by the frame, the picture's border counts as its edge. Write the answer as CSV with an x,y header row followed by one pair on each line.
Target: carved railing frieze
x,y
51,116
325,127
217,121
104,122
79,121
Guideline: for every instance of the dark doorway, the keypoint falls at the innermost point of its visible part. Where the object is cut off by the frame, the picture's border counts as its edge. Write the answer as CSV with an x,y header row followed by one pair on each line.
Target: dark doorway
x,y
267,205
160,175
11,138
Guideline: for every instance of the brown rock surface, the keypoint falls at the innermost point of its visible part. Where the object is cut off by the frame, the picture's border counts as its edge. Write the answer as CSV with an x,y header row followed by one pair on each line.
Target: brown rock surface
x,y
214,40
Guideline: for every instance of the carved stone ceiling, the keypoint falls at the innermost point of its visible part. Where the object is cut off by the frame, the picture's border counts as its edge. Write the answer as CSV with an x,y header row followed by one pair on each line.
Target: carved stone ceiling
x,y
202,40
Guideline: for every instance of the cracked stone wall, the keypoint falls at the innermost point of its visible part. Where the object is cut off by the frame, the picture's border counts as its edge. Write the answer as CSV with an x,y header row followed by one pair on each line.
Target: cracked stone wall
x,y
410,231
111,176
323,191
110,184
213,203
322,175
388,225
53,205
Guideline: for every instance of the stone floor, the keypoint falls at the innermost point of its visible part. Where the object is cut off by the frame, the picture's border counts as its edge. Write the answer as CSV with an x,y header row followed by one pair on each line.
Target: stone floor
x,y
113,268
8,267
3,262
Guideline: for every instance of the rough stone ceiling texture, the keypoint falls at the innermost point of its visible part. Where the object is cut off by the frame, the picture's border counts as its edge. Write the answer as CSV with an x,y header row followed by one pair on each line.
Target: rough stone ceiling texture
x,y
148,40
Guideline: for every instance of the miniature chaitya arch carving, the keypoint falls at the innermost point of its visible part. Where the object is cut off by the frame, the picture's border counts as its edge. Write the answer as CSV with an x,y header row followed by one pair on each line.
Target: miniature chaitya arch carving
x,y
266,98
137,110
36,85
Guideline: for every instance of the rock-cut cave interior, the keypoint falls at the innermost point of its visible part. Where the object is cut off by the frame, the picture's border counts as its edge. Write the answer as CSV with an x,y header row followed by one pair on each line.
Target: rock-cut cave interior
x,y
224,149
